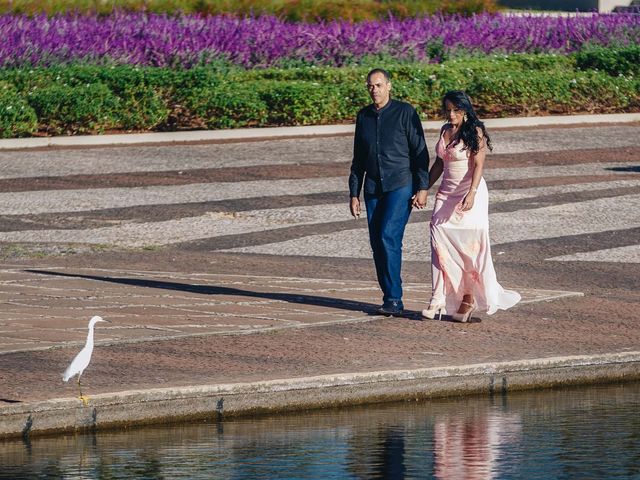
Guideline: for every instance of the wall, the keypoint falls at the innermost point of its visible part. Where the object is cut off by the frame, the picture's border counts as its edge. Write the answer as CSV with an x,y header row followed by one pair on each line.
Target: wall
x,y
565,5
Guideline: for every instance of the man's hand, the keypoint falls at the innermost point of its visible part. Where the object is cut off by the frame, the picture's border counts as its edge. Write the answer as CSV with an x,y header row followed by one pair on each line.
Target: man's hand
x,y
355,207
419,200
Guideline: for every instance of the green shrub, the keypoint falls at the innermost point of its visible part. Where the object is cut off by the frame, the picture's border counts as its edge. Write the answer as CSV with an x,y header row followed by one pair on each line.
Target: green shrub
x,y
312,10
293,10
352,97
596,92
534,93
229,106
615,61
142,108
519,93
301,103
17,118
467,7
64,109
515,62
85,98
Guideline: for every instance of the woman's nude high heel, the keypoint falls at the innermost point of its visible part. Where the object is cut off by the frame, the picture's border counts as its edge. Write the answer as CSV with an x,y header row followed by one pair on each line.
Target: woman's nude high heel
x,y
464,317
432,311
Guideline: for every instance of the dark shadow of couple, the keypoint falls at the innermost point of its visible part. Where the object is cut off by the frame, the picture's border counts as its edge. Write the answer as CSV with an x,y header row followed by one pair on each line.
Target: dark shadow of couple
x,y
305,299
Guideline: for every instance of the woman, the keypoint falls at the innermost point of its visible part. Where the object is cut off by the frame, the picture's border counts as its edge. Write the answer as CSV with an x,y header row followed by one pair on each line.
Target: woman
x,y
463,278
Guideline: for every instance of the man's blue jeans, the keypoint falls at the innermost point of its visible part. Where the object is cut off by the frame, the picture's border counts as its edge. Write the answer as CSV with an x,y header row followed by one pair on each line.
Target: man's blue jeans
x,y
387,215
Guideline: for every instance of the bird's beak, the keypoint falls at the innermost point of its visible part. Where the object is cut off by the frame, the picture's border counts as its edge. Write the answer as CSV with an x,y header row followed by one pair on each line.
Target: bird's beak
x,y
108,321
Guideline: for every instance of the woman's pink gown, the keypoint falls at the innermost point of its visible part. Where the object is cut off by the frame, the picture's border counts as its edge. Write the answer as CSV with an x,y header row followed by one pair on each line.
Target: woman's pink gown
x,y
460,250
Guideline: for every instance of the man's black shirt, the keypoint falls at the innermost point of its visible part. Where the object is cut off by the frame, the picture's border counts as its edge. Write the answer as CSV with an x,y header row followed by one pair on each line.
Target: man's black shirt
x,y
389,147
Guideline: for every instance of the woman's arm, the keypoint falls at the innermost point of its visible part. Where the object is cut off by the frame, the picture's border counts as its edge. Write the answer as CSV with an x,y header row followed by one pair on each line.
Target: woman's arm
x,y
477,165
438,164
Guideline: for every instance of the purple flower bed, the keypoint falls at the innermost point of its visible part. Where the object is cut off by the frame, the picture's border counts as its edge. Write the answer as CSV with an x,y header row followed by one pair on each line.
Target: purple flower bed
x,y
184,41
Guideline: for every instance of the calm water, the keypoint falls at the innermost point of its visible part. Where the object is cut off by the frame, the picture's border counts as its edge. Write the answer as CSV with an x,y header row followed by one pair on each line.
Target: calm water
x,y
586,433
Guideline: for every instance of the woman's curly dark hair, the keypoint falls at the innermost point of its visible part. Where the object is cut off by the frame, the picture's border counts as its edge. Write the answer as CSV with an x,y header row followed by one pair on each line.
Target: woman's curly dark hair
x,y
468,132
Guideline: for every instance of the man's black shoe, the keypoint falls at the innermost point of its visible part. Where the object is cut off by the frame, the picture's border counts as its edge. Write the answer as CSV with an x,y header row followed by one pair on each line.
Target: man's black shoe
x,y
391,308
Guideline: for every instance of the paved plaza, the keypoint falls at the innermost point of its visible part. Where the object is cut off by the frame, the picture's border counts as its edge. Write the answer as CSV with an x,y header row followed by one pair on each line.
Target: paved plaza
x,y
237,262
152,306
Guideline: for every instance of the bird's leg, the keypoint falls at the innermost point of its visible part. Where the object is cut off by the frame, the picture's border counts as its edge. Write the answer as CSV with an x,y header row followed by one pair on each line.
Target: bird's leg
x,y
85,400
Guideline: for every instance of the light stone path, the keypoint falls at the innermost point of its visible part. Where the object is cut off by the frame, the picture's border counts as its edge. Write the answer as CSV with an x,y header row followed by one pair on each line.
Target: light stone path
x,y
540,222
60,201
629,254
210,225
499,195
62,162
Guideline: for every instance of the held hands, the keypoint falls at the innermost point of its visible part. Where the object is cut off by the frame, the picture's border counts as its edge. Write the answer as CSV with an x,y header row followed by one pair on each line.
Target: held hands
x,y
355,207
419,200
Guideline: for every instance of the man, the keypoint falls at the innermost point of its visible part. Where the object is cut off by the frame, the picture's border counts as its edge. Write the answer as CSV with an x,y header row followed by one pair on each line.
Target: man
x,y
391,159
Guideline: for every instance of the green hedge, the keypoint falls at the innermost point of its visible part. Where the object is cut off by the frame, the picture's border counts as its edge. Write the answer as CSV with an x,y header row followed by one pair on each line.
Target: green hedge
x,y
90,99
17,118
614,61
65,109
231,105
293,10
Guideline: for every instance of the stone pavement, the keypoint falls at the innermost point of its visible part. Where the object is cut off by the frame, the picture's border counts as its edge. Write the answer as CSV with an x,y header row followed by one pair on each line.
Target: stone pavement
x,y
46,308
236,282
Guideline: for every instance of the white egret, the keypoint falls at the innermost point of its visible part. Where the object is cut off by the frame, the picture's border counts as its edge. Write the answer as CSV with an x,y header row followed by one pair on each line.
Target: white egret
x,y
82,359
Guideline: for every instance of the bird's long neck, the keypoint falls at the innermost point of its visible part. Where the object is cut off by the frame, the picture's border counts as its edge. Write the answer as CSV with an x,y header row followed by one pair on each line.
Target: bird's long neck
x,y
90,337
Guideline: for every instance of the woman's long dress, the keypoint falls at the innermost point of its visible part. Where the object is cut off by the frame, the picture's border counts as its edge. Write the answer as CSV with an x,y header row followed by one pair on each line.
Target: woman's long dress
x,y
460,251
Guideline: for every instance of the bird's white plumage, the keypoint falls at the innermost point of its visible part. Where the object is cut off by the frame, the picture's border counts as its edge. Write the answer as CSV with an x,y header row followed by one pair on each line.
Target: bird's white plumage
x,y
82,359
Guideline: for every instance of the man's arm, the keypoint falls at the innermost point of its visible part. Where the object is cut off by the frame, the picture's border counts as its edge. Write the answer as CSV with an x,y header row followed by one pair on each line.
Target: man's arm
x,y
356,177
419,158
418,151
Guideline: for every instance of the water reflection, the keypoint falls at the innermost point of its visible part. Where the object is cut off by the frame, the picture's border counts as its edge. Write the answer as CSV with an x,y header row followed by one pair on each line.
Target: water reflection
x,y
577,433
469,446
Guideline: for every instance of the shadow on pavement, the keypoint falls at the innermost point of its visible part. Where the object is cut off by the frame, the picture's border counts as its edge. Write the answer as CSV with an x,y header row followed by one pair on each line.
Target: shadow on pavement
x,y
213,290
632,168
